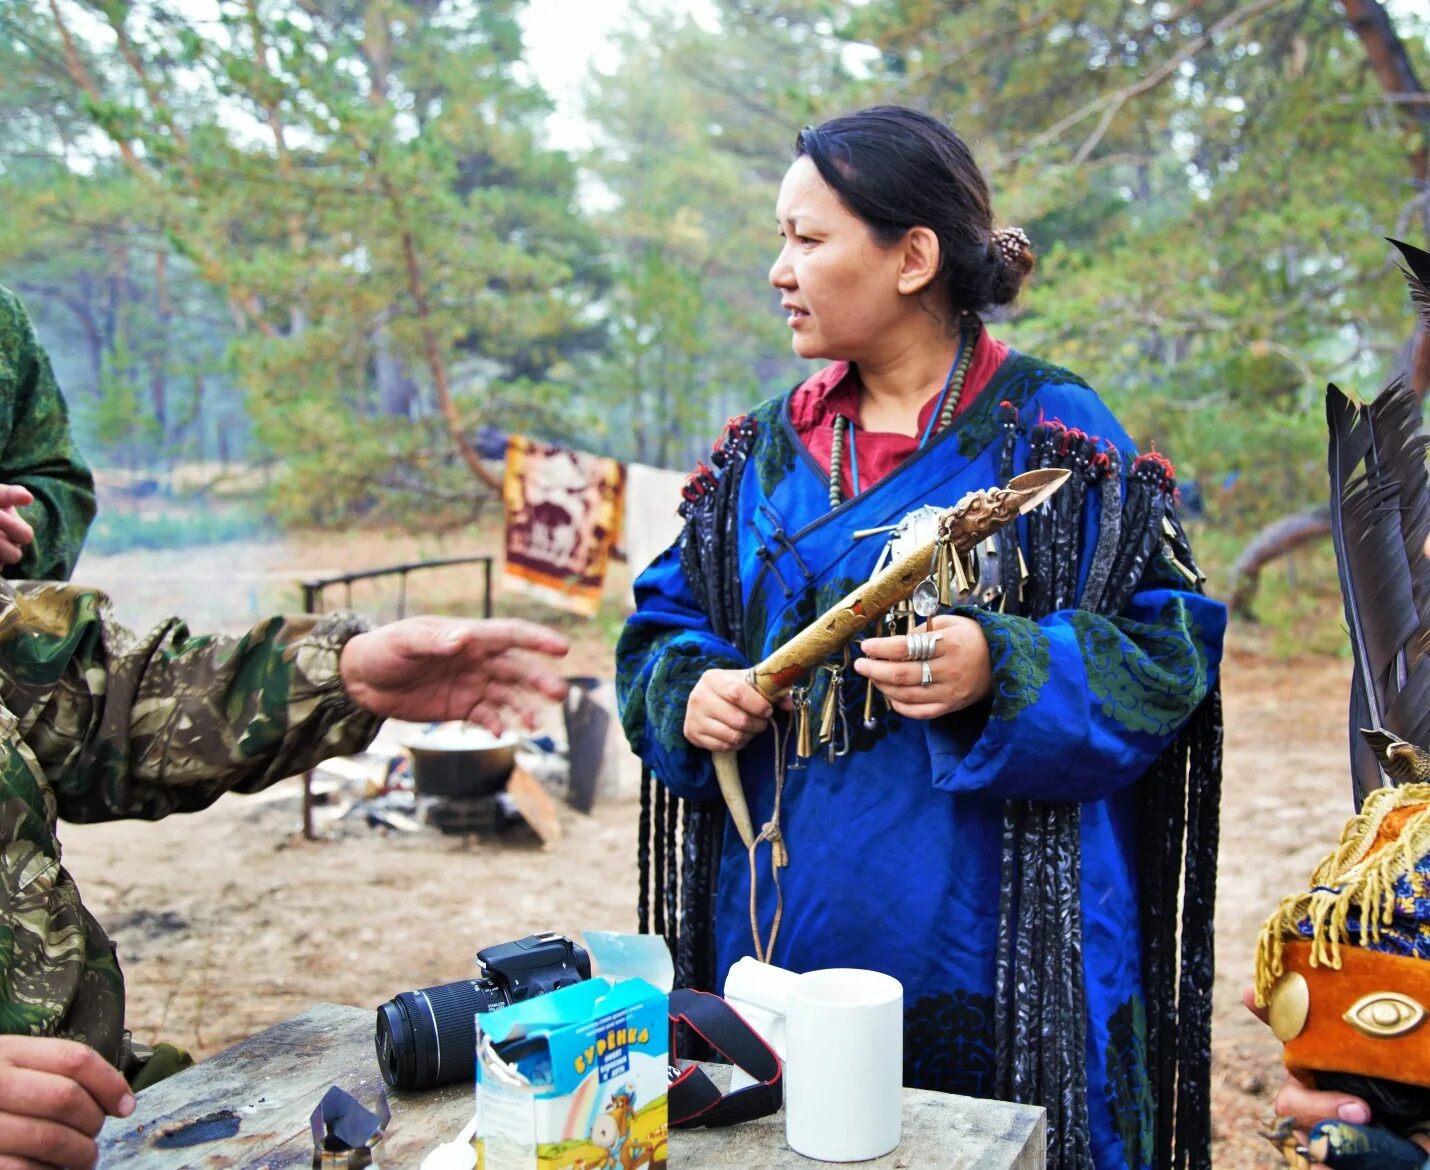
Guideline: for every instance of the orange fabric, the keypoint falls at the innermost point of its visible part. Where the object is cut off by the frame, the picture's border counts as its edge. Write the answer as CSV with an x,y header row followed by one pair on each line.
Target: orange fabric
x,y
1391,828
1328,1044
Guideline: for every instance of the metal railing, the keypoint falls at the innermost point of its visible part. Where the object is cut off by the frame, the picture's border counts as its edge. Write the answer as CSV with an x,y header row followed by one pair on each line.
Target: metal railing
x,y
313,598
313,591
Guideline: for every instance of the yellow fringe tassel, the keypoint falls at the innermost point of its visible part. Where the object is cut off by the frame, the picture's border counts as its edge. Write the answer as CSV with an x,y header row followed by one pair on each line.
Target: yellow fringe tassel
x,y
1349,879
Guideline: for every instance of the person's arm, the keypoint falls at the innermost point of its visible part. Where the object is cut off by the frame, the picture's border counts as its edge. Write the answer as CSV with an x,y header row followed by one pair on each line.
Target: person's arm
x,y
167,723
667,646
1081,704
39,454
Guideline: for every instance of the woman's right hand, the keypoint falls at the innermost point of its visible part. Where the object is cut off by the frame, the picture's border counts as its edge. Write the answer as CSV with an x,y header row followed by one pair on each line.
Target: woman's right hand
x,y
725,712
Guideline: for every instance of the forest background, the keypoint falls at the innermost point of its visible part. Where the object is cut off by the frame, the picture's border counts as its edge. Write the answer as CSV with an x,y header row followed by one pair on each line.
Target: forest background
x,y
290,256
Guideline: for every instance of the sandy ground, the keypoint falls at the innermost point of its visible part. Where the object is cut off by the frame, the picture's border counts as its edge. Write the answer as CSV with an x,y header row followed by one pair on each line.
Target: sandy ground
x,y
229,921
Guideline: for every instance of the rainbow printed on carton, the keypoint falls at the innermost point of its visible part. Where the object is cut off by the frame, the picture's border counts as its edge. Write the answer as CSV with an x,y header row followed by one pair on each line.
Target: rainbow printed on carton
x,y
595,1057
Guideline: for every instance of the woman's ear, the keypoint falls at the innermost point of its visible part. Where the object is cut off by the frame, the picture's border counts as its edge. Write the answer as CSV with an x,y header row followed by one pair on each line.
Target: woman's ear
x,y
920,260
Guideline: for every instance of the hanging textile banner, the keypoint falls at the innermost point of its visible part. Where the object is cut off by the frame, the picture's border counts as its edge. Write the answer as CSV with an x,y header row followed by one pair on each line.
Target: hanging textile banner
x,y
653,518
563,517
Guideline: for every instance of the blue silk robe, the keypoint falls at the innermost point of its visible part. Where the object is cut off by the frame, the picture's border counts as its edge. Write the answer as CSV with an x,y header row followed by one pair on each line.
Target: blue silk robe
x,y
894,849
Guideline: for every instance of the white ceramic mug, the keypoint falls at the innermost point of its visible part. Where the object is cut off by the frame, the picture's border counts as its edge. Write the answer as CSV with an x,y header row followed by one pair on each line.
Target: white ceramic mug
x,y
845,1072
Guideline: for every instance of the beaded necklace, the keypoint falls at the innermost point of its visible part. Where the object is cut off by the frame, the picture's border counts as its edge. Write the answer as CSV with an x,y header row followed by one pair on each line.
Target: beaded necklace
x,y
942,416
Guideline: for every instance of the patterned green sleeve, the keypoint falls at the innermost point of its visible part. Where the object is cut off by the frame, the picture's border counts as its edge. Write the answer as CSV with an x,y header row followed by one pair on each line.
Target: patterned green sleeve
x,y
38,451
1082,703
128,727
665,648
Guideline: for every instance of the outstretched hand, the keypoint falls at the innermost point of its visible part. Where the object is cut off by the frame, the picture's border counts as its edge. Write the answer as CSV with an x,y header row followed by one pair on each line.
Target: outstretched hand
x,y
15,533
431,669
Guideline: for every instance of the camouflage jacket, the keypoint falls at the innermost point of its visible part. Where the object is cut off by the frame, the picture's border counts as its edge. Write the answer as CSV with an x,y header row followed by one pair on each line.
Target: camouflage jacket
x,y
38,452
95,725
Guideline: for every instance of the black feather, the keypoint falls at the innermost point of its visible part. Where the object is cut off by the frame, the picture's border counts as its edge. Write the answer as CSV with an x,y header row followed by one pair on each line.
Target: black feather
x,y
1380,517
1418,277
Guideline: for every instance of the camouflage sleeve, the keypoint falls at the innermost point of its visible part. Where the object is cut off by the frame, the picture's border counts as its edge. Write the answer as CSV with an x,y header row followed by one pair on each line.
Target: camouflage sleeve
x,y
39,452
144,727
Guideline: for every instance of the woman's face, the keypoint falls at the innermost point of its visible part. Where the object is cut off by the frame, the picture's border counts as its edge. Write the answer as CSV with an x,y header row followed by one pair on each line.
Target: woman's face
x,y
838,285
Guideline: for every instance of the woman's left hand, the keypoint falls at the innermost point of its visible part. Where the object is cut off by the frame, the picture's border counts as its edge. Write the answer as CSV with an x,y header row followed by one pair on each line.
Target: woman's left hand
x,y
960,673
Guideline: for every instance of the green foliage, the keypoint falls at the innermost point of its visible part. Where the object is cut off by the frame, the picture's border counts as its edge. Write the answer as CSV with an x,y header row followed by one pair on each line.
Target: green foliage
x,y
367,470
365,189
1298,600
117,420
1209,227
343,220
135,333
118,530
695,129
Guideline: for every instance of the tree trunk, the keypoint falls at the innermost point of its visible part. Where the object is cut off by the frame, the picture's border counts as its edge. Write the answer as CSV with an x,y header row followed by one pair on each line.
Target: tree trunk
x,y
1275,540
159,357
396,390
1383,46
436,363
377,49
200,439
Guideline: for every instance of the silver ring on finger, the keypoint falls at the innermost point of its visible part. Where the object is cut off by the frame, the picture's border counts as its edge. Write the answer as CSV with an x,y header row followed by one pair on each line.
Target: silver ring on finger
x,y
911,645
923,646
927,679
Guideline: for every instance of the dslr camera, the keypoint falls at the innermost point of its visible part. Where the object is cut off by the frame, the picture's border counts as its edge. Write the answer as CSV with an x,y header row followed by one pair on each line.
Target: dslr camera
x,y
429,1037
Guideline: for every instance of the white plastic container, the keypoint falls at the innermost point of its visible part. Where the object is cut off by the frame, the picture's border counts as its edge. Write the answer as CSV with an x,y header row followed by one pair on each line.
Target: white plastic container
x,y
760,994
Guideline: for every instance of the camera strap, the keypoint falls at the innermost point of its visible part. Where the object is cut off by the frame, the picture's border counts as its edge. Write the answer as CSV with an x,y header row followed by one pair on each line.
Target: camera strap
x,y
694,1099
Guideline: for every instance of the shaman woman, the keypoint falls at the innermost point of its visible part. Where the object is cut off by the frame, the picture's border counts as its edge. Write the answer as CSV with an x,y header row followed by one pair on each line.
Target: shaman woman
x,y
1002,825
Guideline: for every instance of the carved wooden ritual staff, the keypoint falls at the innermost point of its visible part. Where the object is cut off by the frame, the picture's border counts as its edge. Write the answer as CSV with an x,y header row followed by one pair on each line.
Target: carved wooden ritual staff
x,y
960,529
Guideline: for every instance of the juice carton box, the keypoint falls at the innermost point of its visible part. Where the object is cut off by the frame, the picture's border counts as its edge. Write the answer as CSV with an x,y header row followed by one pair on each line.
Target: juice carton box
x,y
575,1080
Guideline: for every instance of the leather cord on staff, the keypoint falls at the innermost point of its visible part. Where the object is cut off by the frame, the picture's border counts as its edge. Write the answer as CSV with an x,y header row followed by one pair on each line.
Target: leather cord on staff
x,y
780,857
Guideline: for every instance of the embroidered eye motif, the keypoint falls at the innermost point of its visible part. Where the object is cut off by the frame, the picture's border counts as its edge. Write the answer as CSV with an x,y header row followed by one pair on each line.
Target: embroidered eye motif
x,y
1384,1014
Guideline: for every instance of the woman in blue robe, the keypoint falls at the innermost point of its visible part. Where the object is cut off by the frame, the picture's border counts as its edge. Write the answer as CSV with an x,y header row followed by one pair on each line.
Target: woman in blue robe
x,y
1005,836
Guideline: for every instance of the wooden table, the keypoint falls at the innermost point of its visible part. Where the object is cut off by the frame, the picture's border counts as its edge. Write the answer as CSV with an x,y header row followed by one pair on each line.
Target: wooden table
x,y
249,1107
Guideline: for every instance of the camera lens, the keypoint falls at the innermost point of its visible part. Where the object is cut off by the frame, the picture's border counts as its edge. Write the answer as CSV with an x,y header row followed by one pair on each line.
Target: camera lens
x,y
429,1037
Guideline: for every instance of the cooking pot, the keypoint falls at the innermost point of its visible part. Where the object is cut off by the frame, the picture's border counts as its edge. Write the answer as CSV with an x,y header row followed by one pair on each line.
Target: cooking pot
x,y
464,763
